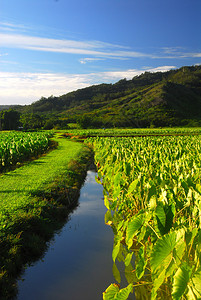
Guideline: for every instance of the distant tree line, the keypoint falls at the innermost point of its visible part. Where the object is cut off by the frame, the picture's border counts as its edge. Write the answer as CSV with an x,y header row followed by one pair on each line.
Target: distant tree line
x,y
9,119
13,120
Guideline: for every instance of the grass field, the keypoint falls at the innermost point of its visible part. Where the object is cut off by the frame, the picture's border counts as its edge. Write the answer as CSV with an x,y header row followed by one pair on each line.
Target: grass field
x,y
19,185
33,203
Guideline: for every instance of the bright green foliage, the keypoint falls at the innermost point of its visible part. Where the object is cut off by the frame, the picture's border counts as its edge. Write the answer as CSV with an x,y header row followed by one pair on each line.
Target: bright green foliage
x,y
18,146
114,293
153,195
132,132
181,279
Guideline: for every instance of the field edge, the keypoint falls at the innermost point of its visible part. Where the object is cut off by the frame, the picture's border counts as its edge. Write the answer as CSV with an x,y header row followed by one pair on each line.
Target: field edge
x,y
48,211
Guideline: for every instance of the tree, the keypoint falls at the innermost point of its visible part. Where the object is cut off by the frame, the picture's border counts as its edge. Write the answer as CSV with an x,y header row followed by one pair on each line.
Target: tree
x,y
9,119
31,121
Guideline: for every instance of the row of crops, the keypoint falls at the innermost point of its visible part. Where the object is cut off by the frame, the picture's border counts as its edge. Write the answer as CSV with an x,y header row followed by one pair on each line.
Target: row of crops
x,y
152,190
134,131
15,147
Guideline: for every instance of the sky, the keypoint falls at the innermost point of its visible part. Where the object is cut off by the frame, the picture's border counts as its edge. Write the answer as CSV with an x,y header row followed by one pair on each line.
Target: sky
x,y
52,47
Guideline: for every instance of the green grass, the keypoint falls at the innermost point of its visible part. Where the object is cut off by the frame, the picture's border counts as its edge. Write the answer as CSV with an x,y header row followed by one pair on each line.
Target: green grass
x,y
16,187
34,202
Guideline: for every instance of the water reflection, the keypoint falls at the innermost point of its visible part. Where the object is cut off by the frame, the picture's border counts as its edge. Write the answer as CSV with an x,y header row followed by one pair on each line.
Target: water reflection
x,y
78,264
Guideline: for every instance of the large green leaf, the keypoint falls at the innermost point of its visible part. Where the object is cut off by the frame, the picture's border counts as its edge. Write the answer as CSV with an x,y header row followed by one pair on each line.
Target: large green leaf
x,y
196,283
163,252
108,216
166,252
115,251
160,213
117,179
130,274
116,191
106,202
128,258
180,245
133,227
132,186
116,273
157,283
140,263
180,281
111,292
124,293
114,293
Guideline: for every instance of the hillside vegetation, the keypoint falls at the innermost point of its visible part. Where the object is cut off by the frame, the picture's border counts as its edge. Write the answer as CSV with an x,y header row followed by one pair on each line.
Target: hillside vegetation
x,y
170,98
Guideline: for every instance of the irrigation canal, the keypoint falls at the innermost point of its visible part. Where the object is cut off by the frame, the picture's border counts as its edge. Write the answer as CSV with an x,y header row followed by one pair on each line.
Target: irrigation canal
x,y
78,263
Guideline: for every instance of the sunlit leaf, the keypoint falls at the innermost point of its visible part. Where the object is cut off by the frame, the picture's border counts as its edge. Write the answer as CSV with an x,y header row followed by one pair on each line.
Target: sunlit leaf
x,y
157,283
117,179
128,258
132,186
114,293
159,211
106,202
133,227
115,251
180,281
163,251
108,216
196,280
111,292
124,293
140,263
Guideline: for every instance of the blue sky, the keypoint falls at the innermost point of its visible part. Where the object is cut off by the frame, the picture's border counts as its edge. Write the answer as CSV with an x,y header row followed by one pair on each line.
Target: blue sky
x,y
51,47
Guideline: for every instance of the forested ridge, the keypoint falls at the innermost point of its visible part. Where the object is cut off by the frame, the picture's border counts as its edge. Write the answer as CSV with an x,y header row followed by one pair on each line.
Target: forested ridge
x,y
170,98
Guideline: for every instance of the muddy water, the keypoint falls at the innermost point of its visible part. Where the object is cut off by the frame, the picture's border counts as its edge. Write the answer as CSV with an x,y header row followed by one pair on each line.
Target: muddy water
x,y
78,264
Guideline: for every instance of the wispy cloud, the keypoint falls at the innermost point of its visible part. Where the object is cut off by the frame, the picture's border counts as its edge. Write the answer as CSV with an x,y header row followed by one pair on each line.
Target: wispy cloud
x,y
22,37
24,88
11,27
89,60
179,52
93,48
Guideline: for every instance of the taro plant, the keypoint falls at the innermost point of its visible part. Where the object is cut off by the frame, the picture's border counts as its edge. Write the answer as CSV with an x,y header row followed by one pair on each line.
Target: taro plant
x,y
153,196
15,147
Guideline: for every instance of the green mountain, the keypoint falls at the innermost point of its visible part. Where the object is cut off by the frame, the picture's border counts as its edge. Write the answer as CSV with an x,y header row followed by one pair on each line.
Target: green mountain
x,y
170,98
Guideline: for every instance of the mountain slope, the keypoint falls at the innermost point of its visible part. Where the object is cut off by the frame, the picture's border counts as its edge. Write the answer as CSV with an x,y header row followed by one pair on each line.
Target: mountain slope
x,y
161,99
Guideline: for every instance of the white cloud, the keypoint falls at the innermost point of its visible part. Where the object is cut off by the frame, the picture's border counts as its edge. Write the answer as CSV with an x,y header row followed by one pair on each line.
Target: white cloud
x,y
95,48
196,54
20,36
179,52
89,60
24,88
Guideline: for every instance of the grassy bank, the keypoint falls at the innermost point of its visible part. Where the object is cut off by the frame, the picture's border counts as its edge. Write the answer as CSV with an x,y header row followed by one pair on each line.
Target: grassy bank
x,y
34,201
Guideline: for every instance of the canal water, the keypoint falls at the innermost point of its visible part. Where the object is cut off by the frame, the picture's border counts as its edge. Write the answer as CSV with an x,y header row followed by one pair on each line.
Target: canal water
x,y
78,263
